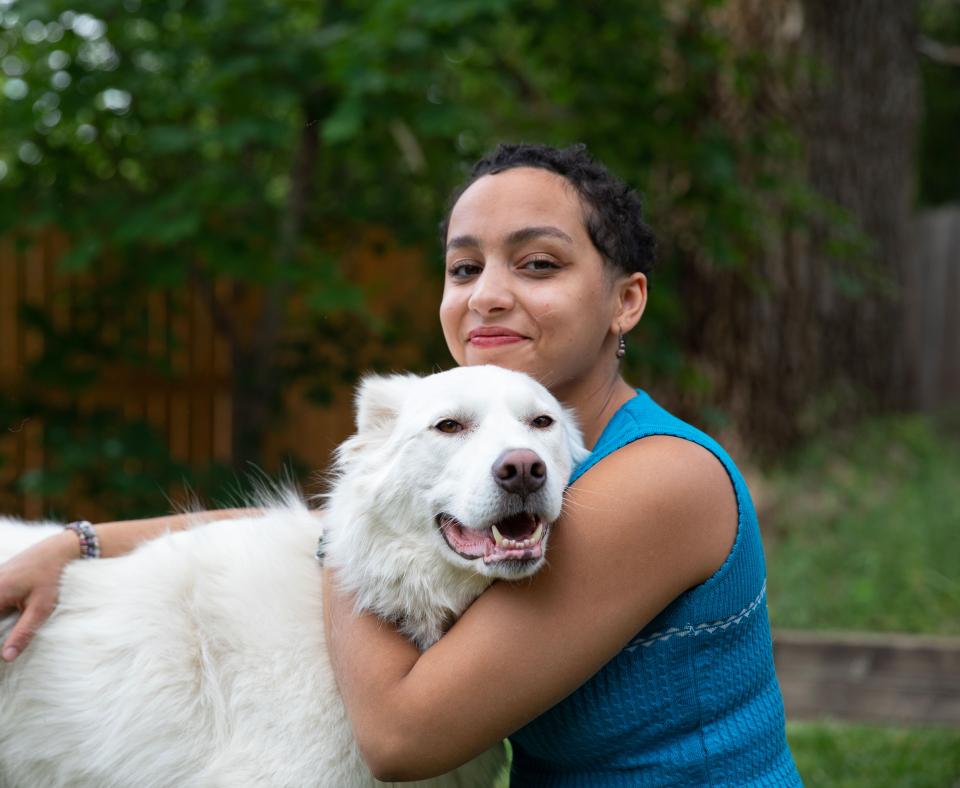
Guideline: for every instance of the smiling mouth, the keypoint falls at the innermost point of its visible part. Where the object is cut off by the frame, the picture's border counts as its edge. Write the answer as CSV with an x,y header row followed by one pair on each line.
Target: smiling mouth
x,y
494,340
519,537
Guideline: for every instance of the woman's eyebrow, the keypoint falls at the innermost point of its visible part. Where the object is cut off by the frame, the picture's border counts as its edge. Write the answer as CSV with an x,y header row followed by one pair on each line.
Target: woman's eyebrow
x,y
513,238
463,241
528,233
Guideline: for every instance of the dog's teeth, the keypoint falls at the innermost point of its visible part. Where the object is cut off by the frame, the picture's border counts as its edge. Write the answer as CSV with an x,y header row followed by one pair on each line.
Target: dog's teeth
x,y
517,544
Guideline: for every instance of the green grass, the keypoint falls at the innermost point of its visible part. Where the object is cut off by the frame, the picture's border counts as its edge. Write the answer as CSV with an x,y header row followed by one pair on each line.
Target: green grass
x,y
835,755
862,532
862,529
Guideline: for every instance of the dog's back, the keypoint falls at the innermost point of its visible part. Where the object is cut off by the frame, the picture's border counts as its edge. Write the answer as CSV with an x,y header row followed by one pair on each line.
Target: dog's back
x,y
177,647
196,661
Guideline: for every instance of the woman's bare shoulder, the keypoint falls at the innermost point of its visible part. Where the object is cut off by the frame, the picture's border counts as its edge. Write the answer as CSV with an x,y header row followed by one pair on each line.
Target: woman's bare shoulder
x,y
680,490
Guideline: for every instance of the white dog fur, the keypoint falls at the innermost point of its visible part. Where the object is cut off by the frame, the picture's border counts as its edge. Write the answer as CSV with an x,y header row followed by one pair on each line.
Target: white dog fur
x,y
198,660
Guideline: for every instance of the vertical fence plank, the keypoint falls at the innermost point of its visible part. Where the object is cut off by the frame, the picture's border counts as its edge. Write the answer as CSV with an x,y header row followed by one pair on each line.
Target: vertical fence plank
x,y
950,378
223,401
33,267
179,322
932,293
202,381
157,351
9,328
11,435
60,284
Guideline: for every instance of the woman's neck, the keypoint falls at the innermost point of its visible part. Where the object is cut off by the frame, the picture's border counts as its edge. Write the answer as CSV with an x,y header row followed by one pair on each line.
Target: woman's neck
x,y
595,402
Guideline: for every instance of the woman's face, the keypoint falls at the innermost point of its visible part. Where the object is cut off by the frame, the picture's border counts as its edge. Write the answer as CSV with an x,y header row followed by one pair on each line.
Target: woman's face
x,y
525,288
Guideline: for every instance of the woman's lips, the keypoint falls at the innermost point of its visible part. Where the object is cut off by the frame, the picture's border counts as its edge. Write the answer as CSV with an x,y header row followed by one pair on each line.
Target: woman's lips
x,y
493,337
494,341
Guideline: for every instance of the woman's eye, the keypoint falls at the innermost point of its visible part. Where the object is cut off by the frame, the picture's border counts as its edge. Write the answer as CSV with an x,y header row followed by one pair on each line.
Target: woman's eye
x,y
464,269
540,264
541,422
448,426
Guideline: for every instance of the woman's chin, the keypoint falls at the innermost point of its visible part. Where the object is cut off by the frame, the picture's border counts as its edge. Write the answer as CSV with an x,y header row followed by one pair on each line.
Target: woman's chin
x,y
516,356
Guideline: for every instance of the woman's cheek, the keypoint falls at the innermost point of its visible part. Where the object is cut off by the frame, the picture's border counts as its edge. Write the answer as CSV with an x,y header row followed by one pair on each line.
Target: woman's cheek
x,y
449,326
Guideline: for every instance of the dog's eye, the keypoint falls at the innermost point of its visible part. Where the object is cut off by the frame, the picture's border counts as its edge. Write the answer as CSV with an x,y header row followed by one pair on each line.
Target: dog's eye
x,y
448,426
541,422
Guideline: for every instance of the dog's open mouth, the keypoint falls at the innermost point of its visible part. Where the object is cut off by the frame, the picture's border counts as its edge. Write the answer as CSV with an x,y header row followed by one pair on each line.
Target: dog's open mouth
x,y
519,537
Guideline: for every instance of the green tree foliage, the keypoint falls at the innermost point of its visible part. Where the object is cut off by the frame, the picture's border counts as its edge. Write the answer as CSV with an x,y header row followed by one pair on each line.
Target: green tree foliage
x,y
182,145
939,152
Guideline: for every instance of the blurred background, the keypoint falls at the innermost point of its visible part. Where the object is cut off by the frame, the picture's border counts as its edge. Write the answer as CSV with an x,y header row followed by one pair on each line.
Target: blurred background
x,y
215,216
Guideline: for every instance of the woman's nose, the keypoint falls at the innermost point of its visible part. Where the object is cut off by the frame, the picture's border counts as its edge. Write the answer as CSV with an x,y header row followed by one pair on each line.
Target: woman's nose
x,y
491,291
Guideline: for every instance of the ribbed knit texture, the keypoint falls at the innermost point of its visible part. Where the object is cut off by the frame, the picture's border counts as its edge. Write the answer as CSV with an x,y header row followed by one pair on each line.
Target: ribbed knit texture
x,y
693,699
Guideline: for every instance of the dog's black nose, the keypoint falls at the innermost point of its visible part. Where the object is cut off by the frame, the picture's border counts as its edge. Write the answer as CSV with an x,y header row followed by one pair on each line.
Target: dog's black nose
x,y
519,471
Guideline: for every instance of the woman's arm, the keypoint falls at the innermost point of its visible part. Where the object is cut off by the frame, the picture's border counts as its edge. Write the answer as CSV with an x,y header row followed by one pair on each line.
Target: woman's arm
x,y
29,581
641,527
121,537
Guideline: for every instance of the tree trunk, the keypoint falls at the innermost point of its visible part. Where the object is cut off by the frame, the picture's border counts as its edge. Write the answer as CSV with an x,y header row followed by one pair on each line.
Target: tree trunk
x,y
861,137
257,386
809,335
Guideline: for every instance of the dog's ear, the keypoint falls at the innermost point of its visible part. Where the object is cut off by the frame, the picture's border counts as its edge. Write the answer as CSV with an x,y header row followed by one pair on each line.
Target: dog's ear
x,y
378,400
578,452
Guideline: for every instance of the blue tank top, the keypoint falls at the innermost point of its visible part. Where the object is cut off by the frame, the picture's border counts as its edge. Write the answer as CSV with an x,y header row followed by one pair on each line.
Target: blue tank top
x,y
693,699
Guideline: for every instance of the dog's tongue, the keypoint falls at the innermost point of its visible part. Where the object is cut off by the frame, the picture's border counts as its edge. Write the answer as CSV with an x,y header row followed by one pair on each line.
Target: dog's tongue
x,y
467,541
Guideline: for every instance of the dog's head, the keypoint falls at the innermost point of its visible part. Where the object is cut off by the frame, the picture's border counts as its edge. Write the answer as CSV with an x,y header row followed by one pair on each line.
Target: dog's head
x,y
467,466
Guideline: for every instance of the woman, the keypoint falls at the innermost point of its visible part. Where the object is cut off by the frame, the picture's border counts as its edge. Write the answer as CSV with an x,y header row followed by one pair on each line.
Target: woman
x,y
641,655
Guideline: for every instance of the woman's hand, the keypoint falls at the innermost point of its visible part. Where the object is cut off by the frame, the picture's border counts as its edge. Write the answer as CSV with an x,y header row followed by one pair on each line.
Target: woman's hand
x,y
29,582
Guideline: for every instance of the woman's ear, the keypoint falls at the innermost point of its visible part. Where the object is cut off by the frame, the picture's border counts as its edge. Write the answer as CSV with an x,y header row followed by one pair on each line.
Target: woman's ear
x,y
632,300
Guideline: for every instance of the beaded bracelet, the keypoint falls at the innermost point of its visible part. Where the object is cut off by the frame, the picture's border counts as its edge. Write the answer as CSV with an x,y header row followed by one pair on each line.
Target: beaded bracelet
x,y
321,550
89,543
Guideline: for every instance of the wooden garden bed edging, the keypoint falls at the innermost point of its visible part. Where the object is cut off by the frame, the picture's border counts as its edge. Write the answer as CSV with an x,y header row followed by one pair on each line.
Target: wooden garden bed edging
x,y
869,676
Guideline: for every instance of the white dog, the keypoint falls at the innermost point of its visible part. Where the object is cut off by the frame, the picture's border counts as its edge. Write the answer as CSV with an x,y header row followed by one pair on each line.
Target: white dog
x,y
198,660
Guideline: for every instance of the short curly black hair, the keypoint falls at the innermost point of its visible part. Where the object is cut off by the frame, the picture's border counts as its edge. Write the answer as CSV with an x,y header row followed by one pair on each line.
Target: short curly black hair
x,y
613,212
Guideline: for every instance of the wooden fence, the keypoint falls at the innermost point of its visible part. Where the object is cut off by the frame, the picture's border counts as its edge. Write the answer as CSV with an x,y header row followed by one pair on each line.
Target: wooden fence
x,y
25,279
932,293
192,408
869,677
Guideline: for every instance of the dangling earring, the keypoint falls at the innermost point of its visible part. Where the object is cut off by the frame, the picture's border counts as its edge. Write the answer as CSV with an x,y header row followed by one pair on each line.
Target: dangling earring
x,y
621,345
